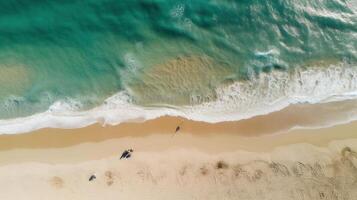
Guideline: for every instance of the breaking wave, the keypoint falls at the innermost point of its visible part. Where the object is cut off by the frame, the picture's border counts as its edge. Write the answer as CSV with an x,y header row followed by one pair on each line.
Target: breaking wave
x,y
261,94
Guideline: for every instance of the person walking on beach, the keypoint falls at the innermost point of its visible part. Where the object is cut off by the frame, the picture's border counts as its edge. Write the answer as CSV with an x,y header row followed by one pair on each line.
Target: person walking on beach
x,y
178,128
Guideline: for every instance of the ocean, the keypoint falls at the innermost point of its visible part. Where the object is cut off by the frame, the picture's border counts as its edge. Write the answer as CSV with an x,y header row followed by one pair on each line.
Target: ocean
x,y
73,63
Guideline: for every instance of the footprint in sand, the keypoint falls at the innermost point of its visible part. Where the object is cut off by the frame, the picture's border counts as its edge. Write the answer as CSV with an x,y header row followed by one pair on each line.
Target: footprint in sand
x,y
57,182
109,177
221,165
204,170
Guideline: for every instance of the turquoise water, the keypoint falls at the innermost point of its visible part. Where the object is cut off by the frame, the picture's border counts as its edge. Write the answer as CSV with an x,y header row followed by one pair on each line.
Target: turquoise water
x,y
163,52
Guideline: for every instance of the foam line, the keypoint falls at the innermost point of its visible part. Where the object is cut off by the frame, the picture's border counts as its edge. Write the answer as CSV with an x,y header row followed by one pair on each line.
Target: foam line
x,y
241,100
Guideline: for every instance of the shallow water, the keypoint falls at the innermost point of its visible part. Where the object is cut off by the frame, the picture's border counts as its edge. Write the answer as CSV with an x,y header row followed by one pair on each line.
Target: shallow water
x,y
166,53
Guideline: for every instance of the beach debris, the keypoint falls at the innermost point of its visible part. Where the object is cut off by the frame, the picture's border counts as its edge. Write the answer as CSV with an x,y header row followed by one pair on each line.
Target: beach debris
x,y
92,177
126,153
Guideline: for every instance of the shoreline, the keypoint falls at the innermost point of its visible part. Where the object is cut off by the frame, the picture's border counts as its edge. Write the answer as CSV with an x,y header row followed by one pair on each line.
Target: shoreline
x,y
294,118
235,101
78,145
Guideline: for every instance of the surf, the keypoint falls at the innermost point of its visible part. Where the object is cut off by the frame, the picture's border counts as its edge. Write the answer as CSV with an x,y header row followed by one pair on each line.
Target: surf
x,y
267,93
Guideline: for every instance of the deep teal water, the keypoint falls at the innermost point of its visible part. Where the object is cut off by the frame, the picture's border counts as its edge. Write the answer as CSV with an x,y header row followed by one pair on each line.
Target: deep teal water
x,y
85,51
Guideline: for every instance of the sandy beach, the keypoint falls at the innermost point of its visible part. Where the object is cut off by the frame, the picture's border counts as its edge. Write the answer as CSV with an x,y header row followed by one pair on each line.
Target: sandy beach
x,y
178,100
248,159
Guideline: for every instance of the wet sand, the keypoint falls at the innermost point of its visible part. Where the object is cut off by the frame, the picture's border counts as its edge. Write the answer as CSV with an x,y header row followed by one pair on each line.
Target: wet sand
x,y
97,142
258,134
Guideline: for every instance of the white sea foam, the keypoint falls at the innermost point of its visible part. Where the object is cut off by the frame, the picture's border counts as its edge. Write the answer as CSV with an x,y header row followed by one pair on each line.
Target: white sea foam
x,y
240,100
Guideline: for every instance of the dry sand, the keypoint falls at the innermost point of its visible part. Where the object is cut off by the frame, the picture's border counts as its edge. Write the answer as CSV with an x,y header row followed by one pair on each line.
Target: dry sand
x,y
258,158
